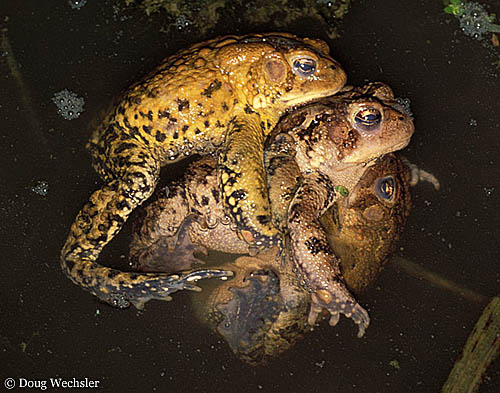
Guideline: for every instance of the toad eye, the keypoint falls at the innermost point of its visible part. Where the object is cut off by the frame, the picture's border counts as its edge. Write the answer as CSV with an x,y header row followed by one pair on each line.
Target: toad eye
x,y
304,66
386,188
368,118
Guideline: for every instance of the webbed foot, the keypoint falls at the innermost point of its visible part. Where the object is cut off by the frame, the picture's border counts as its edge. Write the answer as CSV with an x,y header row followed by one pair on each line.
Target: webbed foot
x,y
262,312
250,314
336,303
144,287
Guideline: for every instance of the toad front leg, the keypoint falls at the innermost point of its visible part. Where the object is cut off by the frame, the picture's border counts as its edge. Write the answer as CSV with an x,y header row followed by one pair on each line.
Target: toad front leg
x,y
243,181
100,219
314,258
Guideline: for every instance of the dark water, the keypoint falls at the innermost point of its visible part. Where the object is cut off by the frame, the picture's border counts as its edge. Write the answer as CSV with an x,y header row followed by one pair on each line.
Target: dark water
x,y
51,328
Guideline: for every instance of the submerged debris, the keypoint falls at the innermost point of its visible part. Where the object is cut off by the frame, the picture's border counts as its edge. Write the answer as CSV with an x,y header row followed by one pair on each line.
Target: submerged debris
x,y
480,350
69,105
8,58
203,16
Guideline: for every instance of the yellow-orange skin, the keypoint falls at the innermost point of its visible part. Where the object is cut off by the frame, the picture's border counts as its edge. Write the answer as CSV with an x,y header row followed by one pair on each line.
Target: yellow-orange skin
x,y
224,96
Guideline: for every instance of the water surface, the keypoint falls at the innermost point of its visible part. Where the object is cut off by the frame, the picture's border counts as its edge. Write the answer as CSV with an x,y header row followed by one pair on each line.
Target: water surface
x,y
51,328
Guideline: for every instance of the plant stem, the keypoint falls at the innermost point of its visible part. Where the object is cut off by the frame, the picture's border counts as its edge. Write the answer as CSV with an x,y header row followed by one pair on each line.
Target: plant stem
x,y
13,66
417,271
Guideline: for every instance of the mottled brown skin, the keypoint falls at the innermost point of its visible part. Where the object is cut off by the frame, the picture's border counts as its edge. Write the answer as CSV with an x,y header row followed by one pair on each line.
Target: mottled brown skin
x,y
332,147
313,149
222,96
263,310
364,227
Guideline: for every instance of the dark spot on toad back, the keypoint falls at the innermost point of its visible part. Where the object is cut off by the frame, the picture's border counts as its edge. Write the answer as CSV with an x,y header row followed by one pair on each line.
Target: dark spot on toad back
x,y
163,114
215,85
160,136
182,104
151,93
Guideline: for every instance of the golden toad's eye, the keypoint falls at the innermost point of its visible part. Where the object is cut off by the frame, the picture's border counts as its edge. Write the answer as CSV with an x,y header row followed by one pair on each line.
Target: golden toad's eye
x,y
368,119
386,188
304,66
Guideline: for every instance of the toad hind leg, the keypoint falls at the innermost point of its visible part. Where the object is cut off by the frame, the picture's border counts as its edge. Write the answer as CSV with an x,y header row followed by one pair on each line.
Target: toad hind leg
x,y
314,258
168,254
100,219
161,240
243,181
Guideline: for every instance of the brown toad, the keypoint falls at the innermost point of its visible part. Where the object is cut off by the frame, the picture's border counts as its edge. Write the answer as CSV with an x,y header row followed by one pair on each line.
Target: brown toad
x,y
223,95
314,150
263,311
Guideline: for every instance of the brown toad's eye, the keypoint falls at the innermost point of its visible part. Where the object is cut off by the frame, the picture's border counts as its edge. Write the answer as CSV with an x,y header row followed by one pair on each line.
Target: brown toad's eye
x,y
304,66
386,188
368,118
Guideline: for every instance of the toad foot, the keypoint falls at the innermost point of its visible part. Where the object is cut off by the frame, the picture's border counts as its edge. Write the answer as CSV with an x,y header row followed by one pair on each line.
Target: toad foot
x,y
337,305
158,287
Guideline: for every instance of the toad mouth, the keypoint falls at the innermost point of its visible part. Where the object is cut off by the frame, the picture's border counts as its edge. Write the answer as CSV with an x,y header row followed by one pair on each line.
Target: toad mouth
x,y
302,100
